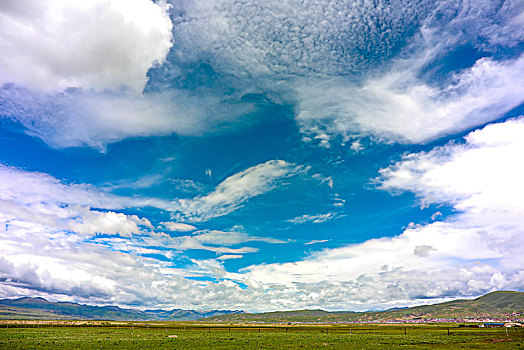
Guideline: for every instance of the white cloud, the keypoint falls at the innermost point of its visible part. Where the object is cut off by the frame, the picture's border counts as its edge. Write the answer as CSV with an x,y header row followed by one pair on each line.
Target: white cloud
x,y
483,174
436,215
36,207
228,257
229,238
30,190
356,146
435,261
41,198
231,193
403,103
510,32
259,38
45,203
96,118
216,241
101,44
316,241
189,242
398,106
315,219
178,226
50,247
487,24
35,260
111,223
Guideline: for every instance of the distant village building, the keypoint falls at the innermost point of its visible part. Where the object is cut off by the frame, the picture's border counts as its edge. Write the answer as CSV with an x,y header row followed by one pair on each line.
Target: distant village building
x,y
492,324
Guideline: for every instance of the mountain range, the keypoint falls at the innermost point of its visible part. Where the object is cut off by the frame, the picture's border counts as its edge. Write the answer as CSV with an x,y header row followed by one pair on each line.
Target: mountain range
x,y
40,308
504,304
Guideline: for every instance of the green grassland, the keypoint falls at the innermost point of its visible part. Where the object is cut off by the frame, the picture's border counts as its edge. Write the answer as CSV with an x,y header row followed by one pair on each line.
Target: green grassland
x,y
181,336
277,330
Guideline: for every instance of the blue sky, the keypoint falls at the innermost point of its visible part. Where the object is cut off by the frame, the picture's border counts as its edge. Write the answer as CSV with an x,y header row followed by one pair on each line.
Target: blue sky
x,y
261,155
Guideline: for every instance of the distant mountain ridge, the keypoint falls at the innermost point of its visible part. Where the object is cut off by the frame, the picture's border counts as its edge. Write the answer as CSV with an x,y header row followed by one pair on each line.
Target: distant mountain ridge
x,y
40,308
505,304
492,305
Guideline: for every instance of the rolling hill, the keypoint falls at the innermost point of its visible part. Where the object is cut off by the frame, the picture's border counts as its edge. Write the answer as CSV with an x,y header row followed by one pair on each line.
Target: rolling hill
x,y
495,304
39,308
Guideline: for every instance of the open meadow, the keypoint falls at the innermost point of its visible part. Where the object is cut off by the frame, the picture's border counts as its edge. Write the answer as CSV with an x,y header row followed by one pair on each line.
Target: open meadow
x,y
127,335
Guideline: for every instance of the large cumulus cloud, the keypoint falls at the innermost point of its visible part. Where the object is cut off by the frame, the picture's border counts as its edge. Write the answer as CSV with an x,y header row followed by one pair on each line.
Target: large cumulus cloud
x,y
102,44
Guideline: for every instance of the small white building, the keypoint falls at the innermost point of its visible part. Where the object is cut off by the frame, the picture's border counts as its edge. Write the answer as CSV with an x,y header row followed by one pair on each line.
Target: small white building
x,y
512,324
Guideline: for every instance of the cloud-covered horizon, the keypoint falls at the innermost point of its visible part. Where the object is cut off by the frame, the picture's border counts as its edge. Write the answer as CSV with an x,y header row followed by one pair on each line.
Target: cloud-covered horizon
x,y
261,155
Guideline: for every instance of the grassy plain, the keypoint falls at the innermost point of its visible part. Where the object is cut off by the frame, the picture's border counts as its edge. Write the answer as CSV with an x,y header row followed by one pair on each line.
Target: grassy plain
x,y
186,336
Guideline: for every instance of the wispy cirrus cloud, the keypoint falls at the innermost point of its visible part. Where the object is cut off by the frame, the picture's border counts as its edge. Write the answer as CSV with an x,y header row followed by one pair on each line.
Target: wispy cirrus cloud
x,y
315,219
233,237
94,119
178,226
410,110
234,191
229,257
28,188
33,189
39,196
189,242
316,241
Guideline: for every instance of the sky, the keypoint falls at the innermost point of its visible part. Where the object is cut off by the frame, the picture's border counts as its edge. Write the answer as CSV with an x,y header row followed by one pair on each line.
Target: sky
x,y
260,154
